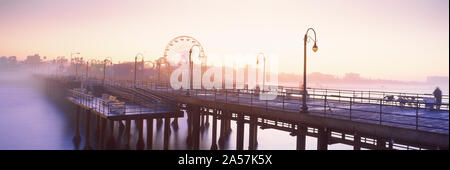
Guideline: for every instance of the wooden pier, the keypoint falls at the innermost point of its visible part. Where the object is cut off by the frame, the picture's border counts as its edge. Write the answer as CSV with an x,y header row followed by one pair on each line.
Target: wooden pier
x,y
358,118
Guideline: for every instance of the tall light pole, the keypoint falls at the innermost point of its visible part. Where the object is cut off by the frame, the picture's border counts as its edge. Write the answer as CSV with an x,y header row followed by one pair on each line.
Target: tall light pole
x,y
264,69
159,62
108,60
78,60
135,65
71,55
191,70
86,76
87,69
304,107
152,67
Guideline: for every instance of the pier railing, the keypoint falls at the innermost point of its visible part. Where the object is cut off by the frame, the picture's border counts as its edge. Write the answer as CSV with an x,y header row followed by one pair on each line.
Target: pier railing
x,y
106,107
410,110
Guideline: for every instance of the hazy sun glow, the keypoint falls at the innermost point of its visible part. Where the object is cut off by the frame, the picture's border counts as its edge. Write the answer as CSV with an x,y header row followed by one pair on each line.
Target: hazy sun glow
x,y
402,39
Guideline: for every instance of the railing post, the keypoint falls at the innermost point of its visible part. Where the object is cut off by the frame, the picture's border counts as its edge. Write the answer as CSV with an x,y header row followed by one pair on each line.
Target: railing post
x,y
361,96
251,99
325,104
314,94
417,115
283,99
238,92
351,101
267,101
381,104
226,95
339,96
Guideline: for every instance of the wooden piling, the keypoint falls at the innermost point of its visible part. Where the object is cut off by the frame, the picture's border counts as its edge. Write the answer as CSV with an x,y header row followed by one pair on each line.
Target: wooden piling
x,y
322,140
301,136
240,132
149,134
77,138
252,138
214,131
87,142
128,132
140,125
166,133
196,128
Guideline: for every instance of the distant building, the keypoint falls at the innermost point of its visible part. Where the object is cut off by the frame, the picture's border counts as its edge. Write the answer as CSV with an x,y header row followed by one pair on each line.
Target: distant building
x,y
3,60
317,77
12,60
437,79
33,59
124,71
352,76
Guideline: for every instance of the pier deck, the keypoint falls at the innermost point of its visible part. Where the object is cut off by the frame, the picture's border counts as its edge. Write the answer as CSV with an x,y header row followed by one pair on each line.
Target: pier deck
x,y
361,109
129,110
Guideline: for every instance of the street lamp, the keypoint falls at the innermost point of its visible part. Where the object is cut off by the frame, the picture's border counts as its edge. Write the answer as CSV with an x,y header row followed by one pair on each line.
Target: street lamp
x,y
304,107
108,60
264,69
135,65
71,54
92,61
191,70
159,62
152,67
78,60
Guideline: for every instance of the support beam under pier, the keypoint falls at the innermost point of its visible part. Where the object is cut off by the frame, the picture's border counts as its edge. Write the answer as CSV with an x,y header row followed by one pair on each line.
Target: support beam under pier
x,y
214,131
77,138
301,136
252,137
356,141
111,141
87,143
166,133
196,127
240,132
103,133
149,134
140,125
128,132
322,139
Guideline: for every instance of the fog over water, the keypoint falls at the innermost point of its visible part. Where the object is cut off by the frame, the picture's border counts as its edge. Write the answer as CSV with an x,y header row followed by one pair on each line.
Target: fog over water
x,y
27,119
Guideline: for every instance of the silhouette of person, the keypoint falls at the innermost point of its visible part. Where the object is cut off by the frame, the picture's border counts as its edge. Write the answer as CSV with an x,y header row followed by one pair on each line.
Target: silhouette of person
x,y
438,97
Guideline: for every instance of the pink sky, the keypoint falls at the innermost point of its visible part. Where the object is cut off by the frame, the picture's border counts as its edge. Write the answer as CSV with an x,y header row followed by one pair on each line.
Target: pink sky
x,y
401,39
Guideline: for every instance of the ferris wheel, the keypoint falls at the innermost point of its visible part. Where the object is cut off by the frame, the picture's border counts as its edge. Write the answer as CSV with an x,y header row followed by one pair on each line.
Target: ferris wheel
x,y
177,51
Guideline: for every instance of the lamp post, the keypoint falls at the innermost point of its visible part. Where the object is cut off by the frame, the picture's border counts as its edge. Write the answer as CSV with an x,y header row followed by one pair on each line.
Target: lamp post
x,y
71,55
87,69
191,70
159,62
304,107
135,65
264,69
86,77
78,60
152,67
108,60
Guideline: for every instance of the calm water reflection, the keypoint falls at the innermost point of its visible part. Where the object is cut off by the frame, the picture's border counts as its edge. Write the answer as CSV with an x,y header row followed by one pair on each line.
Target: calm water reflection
x,y
28,120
